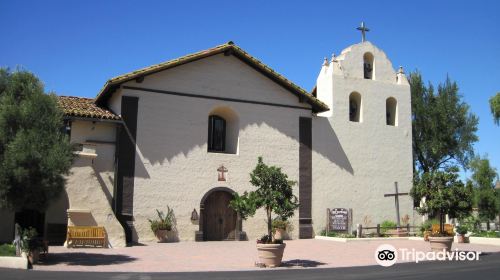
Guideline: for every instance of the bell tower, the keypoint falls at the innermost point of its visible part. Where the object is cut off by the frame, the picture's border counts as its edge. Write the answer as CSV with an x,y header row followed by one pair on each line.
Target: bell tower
x,y
358,68
365,138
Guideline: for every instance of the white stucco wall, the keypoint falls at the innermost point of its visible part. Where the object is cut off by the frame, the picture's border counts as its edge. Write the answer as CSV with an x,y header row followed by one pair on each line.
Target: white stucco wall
x,y
173,166
356,163
86,193
103,135
351,61
89,185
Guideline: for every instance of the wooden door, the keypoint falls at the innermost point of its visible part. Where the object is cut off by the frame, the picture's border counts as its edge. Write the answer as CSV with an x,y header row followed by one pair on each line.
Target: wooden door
x,y
220,219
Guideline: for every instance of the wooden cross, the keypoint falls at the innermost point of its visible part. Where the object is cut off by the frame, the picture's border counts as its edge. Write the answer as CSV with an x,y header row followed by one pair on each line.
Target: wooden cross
x,y
363,30
221,171
396,200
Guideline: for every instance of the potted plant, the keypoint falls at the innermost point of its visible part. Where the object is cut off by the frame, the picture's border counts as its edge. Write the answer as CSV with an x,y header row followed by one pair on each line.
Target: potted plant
x,y
163,225
281,228
461,232
30,244
444,194
274,193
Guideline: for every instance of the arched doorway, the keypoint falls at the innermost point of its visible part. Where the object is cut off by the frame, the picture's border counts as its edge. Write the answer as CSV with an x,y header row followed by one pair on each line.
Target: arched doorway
x,y
218,221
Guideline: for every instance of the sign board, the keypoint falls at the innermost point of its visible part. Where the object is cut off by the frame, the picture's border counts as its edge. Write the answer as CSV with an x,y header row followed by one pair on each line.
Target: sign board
x,y
338,219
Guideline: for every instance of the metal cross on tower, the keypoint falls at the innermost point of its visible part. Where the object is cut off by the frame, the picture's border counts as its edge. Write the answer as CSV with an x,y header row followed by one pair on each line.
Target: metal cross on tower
x,y
363,30
396,201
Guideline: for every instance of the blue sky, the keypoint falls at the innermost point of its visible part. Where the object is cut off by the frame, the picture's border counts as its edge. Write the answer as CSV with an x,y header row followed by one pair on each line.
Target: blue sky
x,y
75,46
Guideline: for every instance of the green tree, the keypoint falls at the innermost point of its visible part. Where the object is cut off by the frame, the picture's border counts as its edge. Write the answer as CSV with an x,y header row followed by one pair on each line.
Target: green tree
x,y
274,193
495,107
497,195
483,178
444,194
470,185
34,152
483,174
443,128
487,204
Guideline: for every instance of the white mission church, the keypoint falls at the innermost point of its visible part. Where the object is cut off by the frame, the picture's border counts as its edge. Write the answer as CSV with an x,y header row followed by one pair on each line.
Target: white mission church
x,y
187,132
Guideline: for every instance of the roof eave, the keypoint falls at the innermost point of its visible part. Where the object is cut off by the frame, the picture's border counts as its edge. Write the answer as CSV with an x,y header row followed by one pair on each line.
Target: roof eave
x,y
93,119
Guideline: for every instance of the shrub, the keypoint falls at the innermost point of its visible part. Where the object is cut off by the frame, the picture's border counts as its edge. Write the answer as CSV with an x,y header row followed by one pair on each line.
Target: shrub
x,y
330,233
462,230
346,235
387,225
29,240
490,234
471,223
427,225
337,234
7,250
267,239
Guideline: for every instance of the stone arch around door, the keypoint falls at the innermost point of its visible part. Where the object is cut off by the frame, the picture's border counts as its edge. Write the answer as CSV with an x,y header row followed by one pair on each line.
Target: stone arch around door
x,y
217,220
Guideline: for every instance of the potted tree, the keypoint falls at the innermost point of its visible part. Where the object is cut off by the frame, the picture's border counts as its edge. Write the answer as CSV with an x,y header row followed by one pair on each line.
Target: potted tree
x,y
163,224
461,232
274,193
444,194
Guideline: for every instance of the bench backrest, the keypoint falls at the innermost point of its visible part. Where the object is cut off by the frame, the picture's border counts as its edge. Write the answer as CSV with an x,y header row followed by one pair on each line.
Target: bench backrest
x,y
86,231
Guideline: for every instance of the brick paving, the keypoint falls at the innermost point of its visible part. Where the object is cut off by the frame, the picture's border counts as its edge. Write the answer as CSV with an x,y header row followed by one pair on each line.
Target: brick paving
x,y
225,256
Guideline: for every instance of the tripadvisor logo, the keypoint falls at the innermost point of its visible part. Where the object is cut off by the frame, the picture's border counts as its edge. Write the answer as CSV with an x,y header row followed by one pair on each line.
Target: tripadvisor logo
x,y
387,255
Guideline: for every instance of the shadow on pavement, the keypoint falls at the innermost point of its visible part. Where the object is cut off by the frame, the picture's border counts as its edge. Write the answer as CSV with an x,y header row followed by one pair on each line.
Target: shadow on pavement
x,y
301,263
87,259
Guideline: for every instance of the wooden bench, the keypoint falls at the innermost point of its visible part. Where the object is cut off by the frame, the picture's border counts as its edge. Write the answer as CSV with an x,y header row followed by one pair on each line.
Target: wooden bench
x,y
86,236
448,228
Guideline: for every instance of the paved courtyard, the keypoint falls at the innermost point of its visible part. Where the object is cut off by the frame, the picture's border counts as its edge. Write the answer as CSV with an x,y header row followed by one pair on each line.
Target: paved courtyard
x,y
225,256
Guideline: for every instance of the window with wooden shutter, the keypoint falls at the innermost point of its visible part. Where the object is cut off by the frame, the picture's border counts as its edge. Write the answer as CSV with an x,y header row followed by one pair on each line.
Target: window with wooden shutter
x,y
216,134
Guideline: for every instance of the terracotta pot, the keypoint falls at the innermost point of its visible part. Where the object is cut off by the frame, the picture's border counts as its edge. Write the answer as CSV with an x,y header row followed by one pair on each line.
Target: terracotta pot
x,y
462,239
271,254
279,234
34,256
438,244
162,235
172,236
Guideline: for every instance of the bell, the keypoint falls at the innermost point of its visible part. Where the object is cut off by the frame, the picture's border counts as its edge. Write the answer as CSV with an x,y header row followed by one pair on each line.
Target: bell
x,y
194,215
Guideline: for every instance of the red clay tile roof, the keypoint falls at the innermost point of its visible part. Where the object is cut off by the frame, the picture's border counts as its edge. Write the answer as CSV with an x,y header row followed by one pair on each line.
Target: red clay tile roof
x,y
84,108
229,48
